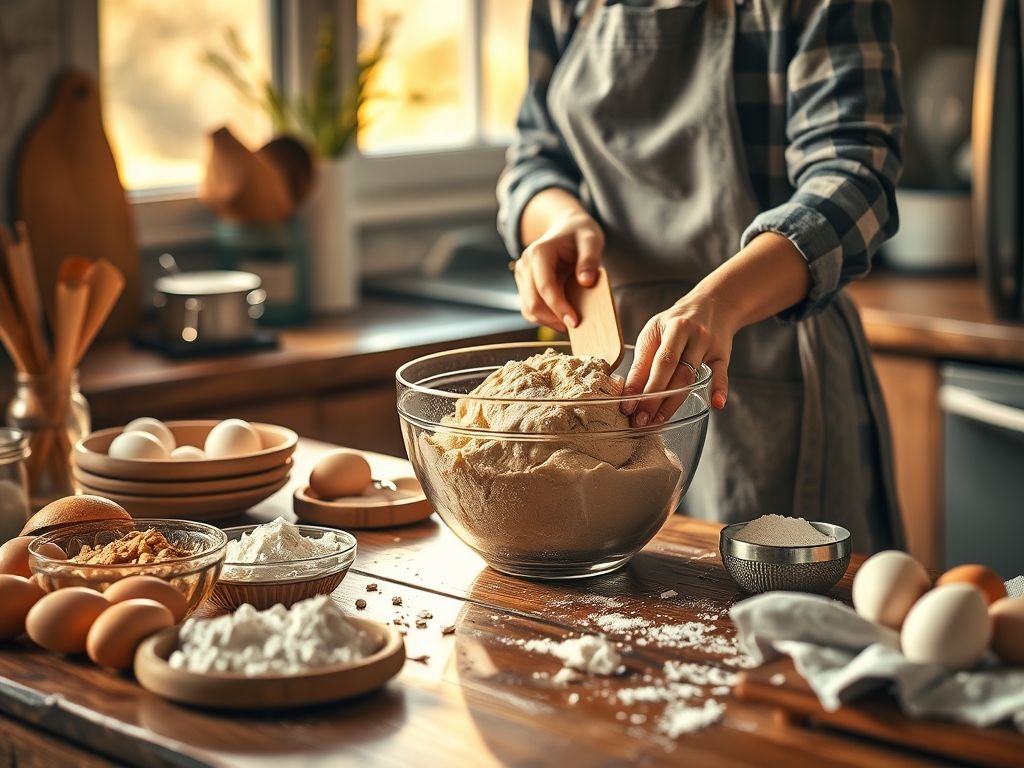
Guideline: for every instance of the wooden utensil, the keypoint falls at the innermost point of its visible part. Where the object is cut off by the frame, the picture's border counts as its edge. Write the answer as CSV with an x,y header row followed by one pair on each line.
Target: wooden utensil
x,y
19,273
294,161
70,196
360,513
234,691
879,718
597,332
241,185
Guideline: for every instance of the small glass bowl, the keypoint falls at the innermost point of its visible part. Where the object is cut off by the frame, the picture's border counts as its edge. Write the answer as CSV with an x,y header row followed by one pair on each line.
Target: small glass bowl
x,y
194,575
263,585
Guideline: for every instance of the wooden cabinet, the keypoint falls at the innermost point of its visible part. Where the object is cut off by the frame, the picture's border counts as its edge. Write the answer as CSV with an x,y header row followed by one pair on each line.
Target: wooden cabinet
x,y
910,386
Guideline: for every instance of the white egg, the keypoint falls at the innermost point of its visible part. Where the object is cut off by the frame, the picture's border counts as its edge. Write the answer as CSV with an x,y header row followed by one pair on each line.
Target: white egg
x,y
136,445
887,585
188,453
156,428
231,437
949,626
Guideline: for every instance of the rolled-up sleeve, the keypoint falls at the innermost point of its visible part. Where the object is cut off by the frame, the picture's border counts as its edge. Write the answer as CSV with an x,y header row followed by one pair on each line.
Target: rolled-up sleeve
x,y
844,130
538,158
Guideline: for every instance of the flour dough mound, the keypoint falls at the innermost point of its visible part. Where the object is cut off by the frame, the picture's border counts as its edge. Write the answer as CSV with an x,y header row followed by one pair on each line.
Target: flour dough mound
x,y
585,493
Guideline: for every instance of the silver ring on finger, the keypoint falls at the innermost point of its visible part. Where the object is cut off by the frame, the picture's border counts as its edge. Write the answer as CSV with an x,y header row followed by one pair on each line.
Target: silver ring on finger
x,y
689,367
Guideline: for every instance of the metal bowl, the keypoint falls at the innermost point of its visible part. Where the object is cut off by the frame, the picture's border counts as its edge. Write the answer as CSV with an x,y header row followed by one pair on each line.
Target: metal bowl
x,y
764,568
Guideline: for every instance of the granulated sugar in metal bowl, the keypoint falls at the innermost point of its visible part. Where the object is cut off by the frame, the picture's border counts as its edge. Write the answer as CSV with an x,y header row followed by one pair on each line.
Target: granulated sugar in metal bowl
x,y
782,531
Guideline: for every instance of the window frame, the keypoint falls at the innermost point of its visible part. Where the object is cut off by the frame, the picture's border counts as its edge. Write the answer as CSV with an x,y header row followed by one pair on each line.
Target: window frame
x,y
385,187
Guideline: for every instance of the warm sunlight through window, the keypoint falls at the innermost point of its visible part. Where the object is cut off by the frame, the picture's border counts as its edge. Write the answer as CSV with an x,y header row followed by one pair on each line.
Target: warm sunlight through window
x,y
159,99
439,89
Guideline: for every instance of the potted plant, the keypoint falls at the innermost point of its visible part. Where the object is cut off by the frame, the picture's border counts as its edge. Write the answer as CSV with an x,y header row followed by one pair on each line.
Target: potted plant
x,y
327,119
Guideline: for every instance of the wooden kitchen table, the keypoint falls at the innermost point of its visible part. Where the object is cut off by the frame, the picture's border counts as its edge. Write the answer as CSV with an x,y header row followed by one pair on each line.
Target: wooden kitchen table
x,y
474,697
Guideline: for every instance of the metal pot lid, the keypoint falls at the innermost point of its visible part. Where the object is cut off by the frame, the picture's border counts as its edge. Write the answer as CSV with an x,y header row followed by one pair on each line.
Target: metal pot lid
x,y
207,283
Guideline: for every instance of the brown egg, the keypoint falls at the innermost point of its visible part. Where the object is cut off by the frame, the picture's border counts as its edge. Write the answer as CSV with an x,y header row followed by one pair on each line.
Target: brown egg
x,y
149,588
340,473
17,596
60,621
985,579
116,634
14,558
71,510
1008,629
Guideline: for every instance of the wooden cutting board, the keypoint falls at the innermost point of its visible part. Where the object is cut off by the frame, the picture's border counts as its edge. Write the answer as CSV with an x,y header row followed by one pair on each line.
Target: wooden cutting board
x,y
878,717
69,193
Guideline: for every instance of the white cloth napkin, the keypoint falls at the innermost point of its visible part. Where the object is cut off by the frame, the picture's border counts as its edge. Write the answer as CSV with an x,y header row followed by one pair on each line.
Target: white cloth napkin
x,y
843,656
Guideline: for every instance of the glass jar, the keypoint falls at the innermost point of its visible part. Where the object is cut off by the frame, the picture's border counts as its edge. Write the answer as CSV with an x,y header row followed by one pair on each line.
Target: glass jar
x,y
54,416
14,505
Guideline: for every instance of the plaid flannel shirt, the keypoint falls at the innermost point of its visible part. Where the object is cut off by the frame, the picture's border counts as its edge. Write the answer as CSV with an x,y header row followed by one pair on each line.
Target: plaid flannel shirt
x,y
819,107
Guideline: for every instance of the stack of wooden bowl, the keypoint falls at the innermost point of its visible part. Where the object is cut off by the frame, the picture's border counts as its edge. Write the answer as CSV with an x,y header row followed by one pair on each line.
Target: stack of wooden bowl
x,y
186,489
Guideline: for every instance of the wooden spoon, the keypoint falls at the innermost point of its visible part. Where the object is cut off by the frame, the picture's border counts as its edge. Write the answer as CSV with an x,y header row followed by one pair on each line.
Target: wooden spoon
x,y
106,284
241,185
597,332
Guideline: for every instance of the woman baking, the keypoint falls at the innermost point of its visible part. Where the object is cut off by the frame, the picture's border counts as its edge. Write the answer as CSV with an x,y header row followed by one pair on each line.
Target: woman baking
x,y
731,163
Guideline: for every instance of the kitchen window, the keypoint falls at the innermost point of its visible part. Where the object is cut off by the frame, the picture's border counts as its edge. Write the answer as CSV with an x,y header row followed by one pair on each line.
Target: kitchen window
x,y
449,91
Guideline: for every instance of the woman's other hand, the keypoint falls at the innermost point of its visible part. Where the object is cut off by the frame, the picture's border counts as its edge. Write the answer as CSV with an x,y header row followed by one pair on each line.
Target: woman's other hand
x,y
766,277
695,330
568,242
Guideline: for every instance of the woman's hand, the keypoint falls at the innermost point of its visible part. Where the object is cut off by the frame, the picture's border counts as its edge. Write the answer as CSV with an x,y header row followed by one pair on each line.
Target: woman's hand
x,y
763,279
572,242
696,329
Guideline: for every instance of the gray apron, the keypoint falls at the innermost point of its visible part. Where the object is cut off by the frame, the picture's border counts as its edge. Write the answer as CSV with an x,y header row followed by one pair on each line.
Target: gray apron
x,y
643,96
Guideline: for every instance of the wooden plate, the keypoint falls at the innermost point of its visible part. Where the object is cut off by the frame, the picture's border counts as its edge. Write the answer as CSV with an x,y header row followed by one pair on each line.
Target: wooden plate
x,y
191,507
233,691
356,512
181,487
91,455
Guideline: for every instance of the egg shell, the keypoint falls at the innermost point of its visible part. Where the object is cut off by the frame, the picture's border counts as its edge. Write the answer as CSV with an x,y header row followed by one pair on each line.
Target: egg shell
x,y
149,588
985,579
71,510
137,445
188,453
340,473
231,437
1008,629
948,626
154,427
887,585
17,596
116,634
60,621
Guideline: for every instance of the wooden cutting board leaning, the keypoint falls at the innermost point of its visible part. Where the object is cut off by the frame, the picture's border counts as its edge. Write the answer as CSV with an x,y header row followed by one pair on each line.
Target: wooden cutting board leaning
x,y
69,194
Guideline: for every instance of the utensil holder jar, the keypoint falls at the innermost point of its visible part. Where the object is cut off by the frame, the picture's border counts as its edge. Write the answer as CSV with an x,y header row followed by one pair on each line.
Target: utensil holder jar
x,y
54,415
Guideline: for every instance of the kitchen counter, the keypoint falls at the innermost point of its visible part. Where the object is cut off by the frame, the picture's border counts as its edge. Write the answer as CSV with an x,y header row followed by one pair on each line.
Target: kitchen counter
x,y
474,697
934,316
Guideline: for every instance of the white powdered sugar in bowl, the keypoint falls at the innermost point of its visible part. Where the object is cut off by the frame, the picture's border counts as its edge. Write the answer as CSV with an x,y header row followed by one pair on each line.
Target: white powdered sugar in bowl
x,y
282,550
312,634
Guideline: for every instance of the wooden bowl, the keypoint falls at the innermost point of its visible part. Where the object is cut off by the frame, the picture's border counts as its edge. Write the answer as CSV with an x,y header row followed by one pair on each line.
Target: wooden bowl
x,y
234,691
105,485
91,455
358,512
191,507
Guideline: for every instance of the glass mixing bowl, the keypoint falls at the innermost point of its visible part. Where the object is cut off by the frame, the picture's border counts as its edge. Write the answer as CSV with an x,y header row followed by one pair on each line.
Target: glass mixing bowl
x,y
571,489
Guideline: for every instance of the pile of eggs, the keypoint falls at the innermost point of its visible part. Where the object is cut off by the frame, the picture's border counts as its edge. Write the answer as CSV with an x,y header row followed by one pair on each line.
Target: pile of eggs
x,y
108,626
953,623
149,438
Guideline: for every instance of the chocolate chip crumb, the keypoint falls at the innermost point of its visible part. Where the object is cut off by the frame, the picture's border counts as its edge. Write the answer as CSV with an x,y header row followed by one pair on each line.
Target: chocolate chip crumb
x,y
421,624
448,629
371,587
423,658
360,604
424,615
396,600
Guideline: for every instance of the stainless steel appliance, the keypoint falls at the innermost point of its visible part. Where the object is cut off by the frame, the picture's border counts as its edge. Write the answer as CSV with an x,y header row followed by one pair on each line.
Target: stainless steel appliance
x,y
984,466
998,155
